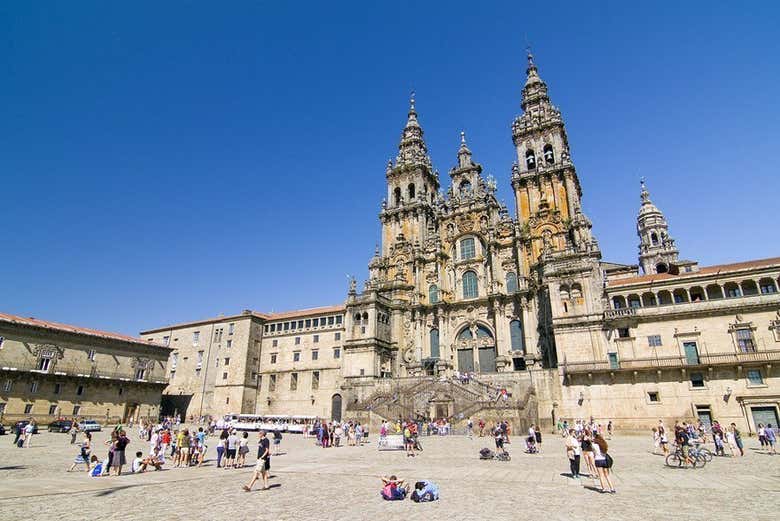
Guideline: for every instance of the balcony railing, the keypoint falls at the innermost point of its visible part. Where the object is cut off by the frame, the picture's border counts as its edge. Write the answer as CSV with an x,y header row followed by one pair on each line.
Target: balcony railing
x,y
619,313
667,362
78,371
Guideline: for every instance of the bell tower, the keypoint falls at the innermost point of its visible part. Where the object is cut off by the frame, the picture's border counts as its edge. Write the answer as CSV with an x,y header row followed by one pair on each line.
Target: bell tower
x,y
657,251
547,189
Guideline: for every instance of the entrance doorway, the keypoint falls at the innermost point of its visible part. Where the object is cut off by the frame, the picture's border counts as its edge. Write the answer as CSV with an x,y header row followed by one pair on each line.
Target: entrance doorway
x,y
476,346
465,360
704,413
335,408
764,415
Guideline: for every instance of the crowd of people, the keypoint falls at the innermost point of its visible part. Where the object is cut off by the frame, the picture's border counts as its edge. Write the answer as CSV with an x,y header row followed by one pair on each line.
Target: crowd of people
x,y
727,440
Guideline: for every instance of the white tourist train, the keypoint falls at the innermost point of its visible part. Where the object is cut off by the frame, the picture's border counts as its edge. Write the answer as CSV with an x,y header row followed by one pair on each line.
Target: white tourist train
x,y
268,422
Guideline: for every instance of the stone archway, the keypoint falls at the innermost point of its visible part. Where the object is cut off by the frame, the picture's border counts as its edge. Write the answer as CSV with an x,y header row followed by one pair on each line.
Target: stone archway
x,y
476,348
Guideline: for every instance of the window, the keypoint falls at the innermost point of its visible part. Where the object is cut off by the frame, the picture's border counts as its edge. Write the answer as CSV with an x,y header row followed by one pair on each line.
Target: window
x,y
654,238
231,328
410,189
273,358
80,390
57,388
275,343
767,287
315,355
315,338
308,322
434,343
76,410
315,380
397,196
297,356
195,338
470,285
218,334
265,329
174,360
467,250
337,337
362,372
9,384
33,387
229,344
316,322
336,353
697,380
293,381
331,320
633,301
511,282
530,159
227,400
28,408
224,376
613,361
652,397
52,410
200,360
754,377
227,361
516,336
272,383
286,326
272,328
44,363
293,324
91,355
465,188
433,293
623,332
339,319
733,291
654,341
121,391
140,373
745,340
166,340
297,341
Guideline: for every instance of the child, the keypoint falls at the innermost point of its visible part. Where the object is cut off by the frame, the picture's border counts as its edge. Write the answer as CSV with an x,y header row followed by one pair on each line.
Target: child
x,y
425,491
97,466
393,489
138,463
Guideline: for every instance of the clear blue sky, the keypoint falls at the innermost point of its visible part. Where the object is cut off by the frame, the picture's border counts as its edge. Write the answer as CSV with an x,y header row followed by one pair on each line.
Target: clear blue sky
x,y
169,161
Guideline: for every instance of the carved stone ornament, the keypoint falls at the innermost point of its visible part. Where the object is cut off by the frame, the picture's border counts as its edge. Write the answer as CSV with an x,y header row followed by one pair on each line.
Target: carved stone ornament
x,y
48,351
465,224
142,363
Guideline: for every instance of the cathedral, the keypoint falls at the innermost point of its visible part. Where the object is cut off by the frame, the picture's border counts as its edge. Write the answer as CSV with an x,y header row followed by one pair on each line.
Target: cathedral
x,y
471,308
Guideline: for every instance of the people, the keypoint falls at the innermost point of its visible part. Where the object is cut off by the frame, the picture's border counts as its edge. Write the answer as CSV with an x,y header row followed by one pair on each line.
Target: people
x,y
263,465
137,465
573,452
393,489
682,440
277,441
243,450
424,491
499,436
221,446
84,453
603,463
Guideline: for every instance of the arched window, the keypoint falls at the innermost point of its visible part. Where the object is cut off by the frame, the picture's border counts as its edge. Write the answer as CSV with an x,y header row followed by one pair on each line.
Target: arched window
x,y
618,302
470,289
749,288
680,296
648,299
661,268
434,343
576,291
654,238
397,194
767,286
511,282
467,250
465,188
530,159
634,301
549,157
565,292
516,336
433,293
714,292
357,318
411,191
732,290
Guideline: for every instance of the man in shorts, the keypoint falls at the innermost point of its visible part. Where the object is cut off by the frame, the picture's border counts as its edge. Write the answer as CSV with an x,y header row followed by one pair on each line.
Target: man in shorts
x,y
263,465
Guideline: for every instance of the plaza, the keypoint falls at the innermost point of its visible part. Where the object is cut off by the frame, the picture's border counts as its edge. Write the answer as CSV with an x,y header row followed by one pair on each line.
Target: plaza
x,y
309,482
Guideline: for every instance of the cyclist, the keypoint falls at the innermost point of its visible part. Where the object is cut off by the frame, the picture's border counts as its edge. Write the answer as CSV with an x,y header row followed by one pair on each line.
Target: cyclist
x,y
682,440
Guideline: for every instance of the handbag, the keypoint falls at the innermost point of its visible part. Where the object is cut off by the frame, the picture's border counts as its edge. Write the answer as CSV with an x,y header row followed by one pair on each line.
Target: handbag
x,y
610,461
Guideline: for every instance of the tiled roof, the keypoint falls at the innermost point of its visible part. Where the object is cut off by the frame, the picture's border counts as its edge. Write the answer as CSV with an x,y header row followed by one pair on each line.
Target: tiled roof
x,y
56,326
704,271
305,312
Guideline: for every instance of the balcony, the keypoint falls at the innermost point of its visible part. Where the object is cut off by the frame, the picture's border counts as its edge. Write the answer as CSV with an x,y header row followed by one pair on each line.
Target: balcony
x,y
619,313
671,362
78,371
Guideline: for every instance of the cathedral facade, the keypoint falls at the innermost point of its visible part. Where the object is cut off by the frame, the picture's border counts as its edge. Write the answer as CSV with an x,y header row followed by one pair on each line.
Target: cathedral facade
x,y
464,289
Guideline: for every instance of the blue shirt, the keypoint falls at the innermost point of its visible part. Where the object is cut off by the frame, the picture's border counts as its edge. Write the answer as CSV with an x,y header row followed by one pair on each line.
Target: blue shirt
x,y
431,487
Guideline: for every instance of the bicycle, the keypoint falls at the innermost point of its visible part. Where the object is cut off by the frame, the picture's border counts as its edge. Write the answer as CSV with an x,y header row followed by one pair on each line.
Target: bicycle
x,y
677,460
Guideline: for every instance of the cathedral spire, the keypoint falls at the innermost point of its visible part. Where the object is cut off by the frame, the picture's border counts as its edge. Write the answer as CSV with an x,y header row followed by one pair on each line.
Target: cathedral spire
x,y
412,149
535,89
657,251
464,154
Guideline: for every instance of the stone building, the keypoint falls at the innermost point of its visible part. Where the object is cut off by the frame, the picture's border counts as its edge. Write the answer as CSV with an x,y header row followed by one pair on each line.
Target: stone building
x,y
49,370
521,302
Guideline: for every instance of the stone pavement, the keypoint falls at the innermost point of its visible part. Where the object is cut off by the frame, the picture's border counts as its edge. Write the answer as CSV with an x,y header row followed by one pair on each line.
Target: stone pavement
x,y
313,483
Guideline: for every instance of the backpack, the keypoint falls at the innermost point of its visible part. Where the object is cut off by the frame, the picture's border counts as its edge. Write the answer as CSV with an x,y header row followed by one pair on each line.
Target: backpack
x,y
486,454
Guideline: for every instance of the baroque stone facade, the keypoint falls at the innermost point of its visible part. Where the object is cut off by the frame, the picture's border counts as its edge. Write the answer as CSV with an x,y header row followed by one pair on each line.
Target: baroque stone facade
x,y
520,301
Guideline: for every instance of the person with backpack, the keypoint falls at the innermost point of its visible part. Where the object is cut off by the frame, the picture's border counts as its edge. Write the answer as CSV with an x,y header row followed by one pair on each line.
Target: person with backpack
x,y
603,463
683,443
393,489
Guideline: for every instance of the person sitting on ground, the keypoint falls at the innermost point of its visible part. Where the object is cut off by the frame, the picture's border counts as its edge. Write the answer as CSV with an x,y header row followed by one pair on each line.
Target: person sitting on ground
x,y
393,489
137,465
424,491
97,466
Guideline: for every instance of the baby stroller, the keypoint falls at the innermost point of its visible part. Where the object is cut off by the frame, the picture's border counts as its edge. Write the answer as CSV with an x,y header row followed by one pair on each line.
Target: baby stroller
x,y
489,454
530,445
